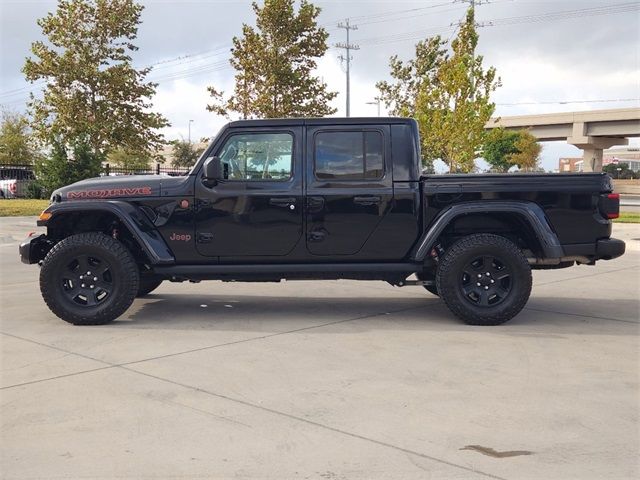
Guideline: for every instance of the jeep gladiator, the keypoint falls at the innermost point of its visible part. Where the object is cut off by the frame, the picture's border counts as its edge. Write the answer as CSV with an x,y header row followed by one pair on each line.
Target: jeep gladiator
x,y
329,198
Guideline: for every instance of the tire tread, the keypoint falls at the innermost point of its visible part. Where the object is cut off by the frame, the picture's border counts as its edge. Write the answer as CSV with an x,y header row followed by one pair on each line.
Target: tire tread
x,y
446,272
73,242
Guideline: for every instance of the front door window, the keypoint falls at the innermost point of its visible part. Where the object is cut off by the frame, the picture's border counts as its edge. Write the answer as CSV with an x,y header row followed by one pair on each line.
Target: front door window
x,y
257,157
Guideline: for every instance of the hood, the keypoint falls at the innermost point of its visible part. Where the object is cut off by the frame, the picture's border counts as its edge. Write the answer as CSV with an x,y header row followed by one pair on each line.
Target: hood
x,y
124,186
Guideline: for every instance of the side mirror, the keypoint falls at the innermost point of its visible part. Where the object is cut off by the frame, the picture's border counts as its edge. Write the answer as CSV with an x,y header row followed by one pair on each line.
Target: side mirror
x,y
213,169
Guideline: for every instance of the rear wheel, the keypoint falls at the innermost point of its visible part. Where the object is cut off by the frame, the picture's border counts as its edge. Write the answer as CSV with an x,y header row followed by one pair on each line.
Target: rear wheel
x,y
484,279
89,279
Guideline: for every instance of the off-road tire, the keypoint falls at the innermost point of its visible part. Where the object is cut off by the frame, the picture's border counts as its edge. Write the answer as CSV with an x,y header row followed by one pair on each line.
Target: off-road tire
x,y
123,273
148,283
451,277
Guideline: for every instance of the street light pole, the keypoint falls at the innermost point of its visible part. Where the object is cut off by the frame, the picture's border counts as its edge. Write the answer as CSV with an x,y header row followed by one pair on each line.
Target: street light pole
x,y
190,122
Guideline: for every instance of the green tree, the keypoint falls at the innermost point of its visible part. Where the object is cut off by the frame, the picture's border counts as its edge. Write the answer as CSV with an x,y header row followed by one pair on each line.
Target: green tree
x,y
410,79
184,154
93,94
527,155
67,164
499,144
17,144
123,158
620,170
274,65
452,96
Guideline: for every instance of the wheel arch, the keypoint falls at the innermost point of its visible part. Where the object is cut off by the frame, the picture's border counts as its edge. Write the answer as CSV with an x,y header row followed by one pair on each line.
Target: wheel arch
x,y
525,218
85,216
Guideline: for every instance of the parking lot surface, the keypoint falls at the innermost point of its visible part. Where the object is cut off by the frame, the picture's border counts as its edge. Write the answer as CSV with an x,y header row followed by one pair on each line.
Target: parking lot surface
x,y
323,380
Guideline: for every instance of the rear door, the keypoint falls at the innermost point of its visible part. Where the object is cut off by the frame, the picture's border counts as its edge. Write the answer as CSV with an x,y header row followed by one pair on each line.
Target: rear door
x,y
256,209
349,188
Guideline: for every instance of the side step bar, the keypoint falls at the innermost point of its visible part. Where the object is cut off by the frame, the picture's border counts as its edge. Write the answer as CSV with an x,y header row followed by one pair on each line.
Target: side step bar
x,y
373,271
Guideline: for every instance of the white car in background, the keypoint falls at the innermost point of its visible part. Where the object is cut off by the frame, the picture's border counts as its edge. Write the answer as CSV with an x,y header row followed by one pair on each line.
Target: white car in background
x,y
14,181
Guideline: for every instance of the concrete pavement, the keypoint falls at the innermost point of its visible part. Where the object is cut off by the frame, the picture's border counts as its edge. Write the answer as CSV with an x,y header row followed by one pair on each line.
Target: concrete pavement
x,y
323,380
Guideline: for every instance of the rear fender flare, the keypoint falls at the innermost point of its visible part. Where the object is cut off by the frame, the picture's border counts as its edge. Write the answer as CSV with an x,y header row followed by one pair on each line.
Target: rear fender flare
x,y
133,218
532,213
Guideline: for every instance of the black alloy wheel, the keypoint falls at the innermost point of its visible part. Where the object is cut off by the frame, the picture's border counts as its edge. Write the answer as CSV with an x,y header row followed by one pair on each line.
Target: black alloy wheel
x,y
484,279
89,279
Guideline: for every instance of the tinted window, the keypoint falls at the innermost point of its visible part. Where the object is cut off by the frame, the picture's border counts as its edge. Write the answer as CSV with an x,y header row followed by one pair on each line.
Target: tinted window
x,y
257,156
349,155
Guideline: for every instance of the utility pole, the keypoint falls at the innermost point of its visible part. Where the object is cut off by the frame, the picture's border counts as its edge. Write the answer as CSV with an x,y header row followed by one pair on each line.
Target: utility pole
x,y
375,102
190,122
348,47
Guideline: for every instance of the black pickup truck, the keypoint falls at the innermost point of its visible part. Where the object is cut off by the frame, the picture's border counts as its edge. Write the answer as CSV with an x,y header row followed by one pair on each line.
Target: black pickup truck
x,y
319,199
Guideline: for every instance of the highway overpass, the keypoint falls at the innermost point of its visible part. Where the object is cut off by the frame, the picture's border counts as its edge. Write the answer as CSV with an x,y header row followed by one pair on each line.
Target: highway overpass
x,y
592,131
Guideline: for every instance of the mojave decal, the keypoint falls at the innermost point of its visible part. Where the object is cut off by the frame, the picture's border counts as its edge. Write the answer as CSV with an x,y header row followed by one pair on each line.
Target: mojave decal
x,y
109,192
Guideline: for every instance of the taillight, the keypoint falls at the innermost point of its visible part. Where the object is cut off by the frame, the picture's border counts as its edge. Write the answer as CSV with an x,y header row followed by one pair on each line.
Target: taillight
x,y
13,187
610,205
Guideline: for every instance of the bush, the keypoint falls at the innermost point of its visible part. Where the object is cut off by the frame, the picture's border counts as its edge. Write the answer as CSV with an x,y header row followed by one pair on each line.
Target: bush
x,y
34,190
61,169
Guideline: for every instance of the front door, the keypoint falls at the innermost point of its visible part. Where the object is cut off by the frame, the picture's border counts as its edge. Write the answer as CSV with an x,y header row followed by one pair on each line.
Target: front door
x,y
256,209
349,187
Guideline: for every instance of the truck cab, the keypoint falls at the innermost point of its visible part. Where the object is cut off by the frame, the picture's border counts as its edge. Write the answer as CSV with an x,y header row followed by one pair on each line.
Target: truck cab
x,y
316,191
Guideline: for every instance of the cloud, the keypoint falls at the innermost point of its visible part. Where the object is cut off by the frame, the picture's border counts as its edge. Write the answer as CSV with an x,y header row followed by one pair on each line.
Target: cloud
x,y
579,58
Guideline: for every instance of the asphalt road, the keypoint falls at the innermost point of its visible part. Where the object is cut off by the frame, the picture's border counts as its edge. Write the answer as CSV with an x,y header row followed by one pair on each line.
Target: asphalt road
x,y
323,380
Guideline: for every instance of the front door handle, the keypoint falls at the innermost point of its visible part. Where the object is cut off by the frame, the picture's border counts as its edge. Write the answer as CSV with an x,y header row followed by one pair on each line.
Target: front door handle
x,y
367,200
282,201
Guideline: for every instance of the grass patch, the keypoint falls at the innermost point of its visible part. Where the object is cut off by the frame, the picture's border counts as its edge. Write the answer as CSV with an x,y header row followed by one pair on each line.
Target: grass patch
x,y
628,217
17,207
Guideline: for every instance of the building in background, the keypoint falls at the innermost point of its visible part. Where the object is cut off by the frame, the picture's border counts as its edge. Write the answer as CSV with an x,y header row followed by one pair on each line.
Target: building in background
x,y
167,152
628,155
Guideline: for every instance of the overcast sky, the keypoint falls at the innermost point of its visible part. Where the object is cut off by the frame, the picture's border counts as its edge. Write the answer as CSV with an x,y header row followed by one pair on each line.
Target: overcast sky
x,y
590,52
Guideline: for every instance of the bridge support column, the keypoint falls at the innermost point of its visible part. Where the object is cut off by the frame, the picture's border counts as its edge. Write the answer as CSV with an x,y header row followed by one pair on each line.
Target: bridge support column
x,y
591,159
592,147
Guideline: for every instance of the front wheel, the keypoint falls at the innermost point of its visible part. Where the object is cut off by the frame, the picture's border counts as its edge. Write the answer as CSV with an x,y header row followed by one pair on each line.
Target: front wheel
x,y
484,279
89,279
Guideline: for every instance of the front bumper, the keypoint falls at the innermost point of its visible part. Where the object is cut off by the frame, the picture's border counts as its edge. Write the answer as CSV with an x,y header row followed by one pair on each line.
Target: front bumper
x,y
609,248
34,249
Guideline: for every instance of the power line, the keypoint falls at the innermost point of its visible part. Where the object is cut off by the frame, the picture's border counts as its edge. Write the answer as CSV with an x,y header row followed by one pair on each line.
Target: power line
x,y
563,102
550,16
566,14
156,66
347,47
387,14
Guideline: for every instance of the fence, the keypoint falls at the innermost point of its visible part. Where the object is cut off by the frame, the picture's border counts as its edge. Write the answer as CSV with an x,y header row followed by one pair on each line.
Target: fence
x,y
25,172
157,170
16,180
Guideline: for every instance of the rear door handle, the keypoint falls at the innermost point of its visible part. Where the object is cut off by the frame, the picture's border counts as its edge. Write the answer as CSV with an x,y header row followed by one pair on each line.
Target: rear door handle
x,y
315,204
282,201
367,200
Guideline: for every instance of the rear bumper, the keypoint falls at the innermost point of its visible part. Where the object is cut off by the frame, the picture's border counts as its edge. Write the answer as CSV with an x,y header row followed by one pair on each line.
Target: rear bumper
x,y
609,248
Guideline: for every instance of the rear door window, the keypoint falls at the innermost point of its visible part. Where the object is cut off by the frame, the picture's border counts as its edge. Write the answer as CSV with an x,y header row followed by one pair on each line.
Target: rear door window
x,y
349,155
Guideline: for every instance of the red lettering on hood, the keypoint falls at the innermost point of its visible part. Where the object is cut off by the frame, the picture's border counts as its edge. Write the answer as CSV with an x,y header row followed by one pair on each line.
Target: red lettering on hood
x,y
109,192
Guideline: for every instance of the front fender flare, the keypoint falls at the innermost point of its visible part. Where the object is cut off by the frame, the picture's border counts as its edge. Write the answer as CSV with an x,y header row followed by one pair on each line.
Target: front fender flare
x,y
531,212
135,220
